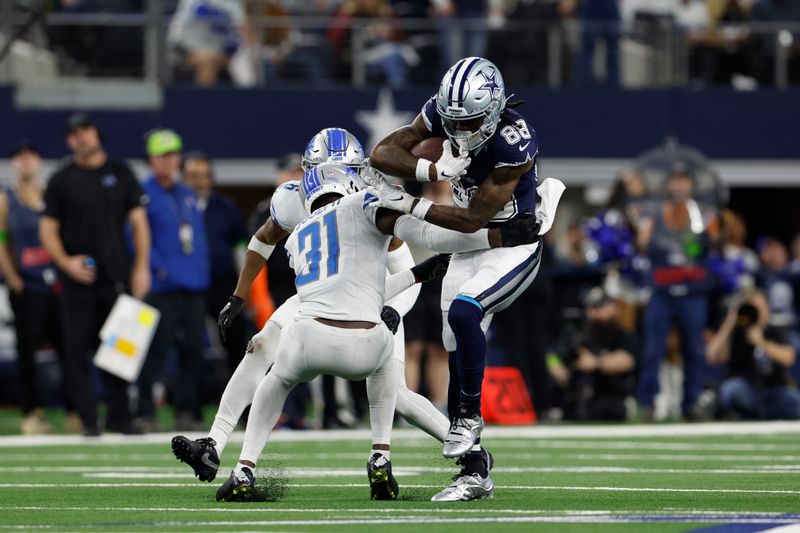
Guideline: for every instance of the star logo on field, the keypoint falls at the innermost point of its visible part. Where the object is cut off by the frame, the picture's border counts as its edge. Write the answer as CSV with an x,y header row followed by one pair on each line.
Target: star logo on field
x,y
491,83
383,120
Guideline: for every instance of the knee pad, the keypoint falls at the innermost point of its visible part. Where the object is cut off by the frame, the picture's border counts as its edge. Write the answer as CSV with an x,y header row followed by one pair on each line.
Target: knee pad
x,y
464,314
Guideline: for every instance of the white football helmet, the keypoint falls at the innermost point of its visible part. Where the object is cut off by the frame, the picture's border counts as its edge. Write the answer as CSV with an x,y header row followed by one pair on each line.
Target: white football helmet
x,y
470,101
328,178
335,145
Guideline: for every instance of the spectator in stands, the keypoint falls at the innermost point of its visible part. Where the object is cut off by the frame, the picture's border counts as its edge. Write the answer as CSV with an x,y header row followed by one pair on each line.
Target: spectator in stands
x,y
423,325
777,282
722,54
204,35
734,247
600,22
522,49
31,277
87,204
179,266
385,54
289,53
595,367
462,28
227,240
778,13
676,237
758,357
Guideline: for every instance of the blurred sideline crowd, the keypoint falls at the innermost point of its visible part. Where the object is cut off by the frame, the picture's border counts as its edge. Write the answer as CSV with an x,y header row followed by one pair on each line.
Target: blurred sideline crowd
x,y
408,42
652,308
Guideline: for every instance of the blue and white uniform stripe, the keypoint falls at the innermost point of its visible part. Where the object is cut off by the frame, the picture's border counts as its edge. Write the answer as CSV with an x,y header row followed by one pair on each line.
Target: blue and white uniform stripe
x,y
507,288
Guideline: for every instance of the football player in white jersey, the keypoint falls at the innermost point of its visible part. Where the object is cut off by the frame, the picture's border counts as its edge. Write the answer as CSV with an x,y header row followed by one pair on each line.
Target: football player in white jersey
x,y
287,209
339,254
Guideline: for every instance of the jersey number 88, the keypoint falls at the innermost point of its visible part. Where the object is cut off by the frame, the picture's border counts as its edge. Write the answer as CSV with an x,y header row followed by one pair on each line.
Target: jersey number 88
x,y
513,135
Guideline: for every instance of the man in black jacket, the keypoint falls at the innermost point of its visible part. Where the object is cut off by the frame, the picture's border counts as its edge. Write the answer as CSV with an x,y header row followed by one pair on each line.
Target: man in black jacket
x,y
87,203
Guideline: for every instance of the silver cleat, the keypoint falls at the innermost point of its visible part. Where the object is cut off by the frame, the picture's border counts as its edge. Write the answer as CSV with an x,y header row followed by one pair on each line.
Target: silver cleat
x,y
465,488
462,436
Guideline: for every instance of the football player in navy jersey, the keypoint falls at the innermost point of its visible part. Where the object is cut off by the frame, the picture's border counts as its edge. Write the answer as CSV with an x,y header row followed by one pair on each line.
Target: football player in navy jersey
x,y
490,159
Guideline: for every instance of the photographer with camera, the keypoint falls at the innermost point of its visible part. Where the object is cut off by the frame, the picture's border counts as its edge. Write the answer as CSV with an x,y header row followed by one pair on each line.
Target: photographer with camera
x,y
758,357
595,367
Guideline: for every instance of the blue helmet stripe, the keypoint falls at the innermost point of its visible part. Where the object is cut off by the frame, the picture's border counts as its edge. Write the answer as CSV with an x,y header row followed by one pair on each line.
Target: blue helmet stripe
x,y
339,140
311,181
461,95
453,78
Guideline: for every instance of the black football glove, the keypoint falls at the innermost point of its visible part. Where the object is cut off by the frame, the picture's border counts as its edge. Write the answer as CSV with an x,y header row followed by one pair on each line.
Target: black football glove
x,y
391,318
431,269
228,314
524,229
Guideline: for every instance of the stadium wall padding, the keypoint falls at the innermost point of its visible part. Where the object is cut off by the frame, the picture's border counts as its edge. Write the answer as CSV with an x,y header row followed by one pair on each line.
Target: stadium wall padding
x,y
234,123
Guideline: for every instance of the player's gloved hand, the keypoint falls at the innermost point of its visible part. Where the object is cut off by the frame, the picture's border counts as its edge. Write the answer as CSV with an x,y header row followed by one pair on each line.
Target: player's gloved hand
x,y
431,269
399,200
524,229
450,167
228,314
391,318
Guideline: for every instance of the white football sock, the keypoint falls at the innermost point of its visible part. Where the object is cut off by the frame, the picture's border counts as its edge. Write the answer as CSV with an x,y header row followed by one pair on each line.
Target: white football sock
x,y
385,453
264,414
243,384
382,395
417,409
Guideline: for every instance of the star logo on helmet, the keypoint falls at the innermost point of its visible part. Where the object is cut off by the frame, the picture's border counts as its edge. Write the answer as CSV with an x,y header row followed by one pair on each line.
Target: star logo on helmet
x,y
491,83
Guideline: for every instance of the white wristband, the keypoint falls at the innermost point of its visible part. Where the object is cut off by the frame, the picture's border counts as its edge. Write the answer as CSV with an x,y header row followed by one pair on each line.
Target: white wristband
x,y
423,167
421,209
261,248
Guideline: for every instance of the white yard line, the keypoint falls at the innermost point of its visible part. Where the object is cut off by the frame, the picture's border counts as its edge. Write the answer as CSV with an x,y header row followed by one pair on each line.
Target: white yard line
x,y
434,454
666,446
222,508
598,519
524,432
110,473
416,486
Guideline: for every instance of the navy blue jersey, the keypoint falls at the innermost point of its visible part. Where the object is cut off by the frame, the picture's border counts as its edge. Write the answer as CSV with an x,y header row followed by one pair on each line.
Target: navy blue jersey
x,y
513,144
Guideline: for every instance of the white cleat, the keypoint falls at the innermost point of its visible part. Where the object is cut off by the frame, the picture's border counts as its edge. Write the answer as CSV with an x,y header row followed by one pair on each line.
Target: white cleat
x,y
462,436
465,488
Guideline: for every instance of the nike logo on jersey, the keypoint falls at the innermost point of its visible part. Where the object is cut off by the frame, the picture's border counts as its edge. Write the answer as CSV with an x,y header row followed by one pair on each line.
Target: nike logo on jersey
x,y
521,148
208,462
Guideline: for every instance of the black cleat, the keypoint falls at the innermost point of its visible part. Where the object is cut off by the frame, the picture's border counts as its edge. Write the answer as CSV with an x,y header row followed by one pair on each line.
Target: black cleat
x,y
240,489
382,484
199,454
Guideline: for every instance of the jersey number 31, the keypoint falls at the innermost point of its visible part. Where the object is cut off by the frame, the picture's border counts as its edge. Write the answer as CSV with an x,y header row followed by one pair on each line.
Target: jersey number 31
x,y
316,253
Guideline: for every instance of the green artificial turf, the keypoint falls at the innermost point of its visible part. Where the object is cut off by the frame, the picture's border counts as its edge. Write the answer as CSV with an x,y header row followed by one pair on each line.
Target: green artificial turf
x,y
543,484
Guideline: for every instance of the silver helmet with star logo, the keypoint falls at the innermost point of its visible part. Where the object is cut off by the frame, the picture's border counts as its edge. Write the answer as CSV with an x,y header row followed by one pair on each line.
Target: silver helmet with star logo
x,y
470,100
334,145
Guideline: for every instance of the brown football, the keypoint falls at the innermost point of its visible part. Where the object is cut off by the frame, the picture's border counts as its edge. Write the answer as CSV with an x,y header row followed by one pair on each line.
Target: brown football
x,y
430,149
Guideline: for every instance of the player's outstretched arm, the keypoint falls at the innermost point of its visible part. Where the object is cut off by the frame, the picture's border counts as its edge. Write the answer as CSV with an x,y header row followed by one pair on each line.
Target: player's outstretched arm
x,y
489,198
258,251
434,238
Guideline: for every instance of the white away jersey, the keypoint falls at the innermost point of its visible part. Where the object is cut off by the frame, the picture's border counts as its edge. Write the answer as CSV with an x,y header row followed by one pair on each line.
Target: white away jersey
x,y
287,208
339,256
